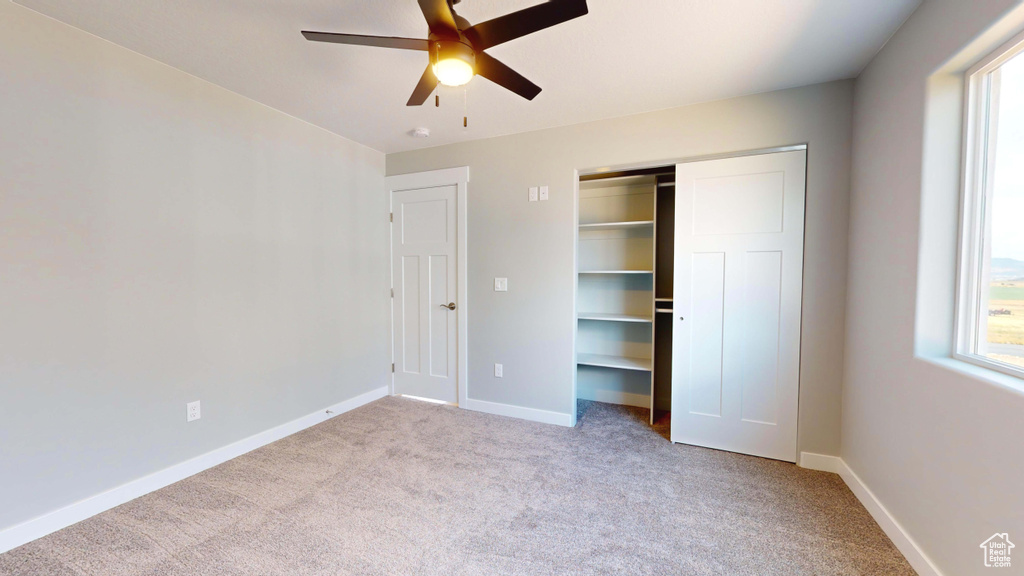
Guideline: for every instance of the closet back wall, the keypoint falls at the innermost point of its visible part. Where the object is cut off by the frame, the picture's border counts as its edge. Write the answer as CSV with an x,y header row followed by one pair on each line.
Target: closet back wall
x,y
529,329
162,241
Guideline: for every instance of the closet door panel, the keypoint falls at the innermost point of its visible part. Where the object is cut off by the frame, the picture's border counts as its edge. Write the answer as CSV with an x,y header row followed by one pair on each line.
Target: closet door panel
x,y
737,297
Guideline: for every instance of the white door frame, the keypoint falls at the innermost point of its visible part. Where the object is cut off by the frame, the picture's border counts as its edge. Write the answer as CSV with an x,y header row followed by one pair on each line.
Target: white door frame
x,y
458,177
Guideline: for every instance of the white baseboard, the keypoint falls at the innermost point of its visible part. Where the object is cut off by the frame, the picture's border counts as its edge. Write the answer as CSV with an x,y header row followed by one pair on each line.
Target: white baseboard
x,y
533,414
614,397
892,528
26,532
821,462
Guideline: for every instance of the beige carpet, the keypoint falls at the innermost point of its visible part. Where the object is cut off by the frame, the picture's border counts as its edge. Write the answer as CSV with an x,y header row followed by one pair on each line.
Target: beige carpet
x,y
401,487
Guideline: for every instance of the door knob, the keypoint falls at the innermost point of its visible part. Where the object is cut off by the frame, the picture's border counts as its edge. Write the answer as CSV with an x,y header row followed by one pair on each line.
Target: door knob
x,y
450,305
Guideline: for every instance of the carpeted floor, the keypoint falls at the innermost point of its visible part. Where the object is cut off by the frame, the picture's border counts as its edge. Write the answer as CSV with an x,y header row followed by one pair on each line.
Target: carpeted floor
x,y
401,487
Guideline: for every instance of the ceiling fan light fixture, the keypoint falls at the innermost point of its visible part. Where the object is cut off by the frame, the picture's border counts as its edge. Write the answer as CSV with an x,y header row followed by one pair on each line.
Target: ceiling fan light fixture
x,y
453,72
454,63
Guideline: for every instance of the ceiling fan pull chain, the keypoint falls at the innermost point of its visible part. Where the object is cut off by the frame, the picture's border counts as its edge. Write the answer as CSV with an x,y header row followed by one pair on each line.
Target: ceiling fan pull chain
x,y
465,107
437,87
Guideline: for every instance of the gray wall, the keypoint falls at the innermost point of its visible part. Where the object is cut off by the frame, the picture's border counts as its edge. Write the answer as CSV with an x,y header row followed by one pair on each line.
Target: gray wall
x,y
937,443
529,329
164,240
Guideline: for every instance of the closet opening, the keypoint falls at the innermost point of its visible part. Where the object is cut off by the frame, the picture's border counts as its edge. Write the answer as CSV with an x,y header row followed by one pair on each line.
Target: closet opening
x,y
624,290
689,297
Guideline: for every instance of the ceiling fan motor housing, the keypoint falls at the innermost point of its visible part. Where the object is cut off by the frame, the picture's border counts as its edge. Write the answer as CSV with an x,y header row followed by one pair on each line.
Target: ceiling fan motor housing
x,y
452,49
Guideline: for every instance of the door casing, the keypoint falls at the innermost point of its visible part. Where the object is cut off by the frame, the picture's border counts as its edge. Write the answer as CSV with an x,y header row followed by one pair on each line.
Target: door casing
x,y
458,177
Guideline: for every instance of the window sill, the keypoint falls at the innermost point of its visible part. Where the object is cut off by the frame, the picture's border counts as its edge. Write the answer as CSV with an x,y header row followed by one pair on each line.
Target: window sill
x,y
979,373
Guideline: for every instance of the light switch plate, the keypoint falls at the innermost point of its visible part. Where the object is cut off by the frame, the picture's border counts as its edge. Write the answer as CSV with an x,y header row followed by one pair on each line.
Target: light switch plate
x,y
501,284
499,371
192,411
534,193
543,193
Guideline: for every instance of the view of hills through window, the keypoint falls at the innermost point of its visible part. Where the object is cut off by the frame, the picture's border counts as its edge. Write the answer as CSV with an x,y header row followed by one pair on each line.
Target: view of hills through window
x,y
1004,332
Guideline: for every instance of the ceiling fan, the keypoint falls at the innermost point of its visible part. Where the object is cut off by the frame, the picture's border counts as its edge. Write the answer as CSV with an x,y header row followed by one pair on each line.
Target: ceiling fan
x,y
456,47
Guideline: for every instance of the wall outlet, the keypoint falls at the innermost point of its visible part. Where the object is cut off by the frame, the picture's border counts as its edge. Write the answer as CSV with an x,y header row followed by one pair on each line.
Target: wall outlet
x,y
534,194
543,193
192,411
498,371
501,284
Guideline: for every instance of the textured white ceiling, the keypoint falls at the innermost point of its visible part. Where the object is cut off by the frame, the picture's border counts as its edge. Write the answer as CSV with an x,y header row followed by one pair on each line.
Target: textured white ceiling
x,y
623,58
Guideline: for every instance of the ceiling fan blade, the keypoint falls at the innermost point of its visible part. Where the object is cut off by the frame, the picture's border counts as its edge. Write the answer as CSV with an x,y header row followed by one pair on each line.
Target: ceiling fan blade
x,y
492,69
357,39
439,18
504,28
423,90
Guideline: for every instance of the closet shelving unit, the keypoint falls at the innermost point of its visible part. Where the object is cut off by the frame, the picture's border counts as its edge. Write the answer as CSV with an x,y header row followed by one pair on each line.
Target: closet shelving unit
x,y
623,308
615,314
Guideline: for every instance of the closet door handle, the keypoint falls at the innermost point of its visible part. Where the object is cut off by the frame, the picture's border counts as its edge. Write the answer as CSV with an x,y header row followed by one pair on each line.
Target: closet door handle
x,y
450,305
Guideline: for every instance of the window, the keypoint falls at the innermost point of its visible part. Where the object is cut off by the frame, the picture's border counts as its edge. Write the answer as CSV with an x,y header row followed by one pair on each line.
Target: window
x,y
990,307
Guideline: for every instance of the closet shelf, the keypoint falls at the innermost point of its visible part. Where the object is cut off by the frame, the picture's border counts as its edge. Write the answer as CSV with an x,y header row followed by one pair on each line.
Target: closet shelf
x,y
616,271
614,317
620,362
664,311
617,225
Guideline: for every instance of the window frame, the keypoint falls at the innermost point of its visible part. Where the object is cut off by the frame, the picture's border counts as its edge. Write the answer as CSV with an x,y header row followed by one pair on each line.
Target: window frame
x,y
980,117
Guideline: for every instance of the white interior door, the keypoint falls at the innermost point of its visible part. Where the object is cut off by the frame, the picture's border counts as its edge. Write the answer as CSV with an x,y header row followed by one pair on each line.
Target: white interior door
x,y
425,309
738,287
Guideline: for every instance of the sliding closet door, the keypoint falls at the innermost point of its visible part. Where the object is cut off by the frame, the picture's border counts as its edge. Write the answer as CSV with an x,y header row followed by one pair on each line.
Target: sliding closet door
x,y
737,296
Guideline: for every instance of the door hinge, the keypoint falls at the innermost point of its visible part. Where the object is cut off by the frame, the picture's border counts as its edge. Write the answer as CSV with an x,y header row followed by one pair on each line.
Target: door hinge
x,y
391,217
392,367
392,292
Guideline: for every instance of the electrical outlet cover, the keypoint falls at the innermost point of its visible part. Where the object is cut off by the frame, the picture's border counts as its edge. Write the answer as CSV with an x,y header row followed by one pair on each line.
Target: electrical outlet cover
x,y
499,371
534,193
543,193
192,411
